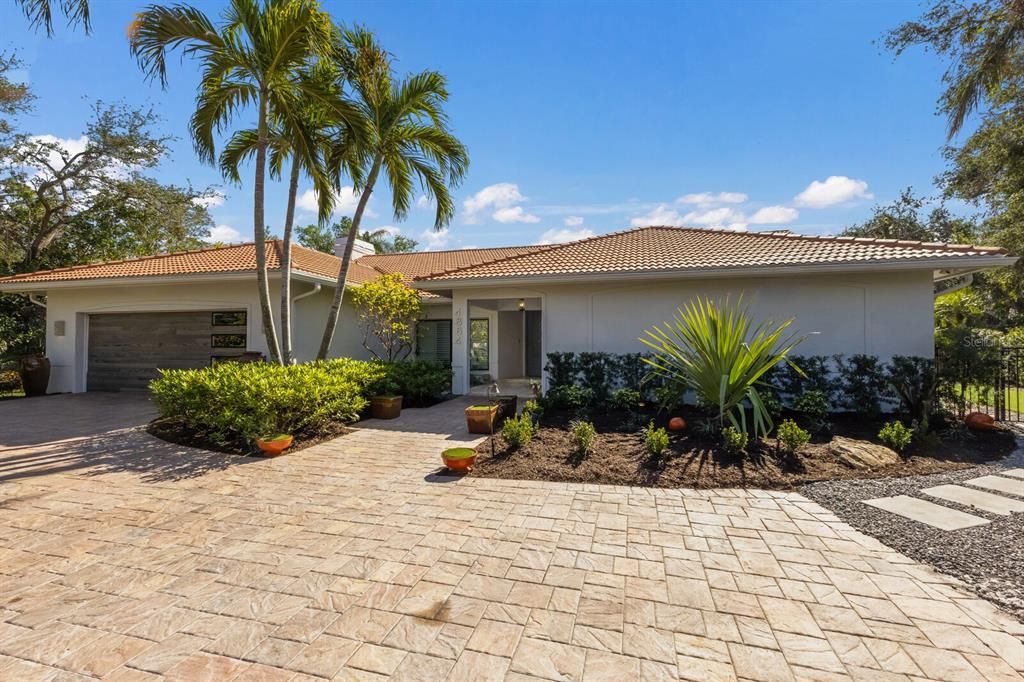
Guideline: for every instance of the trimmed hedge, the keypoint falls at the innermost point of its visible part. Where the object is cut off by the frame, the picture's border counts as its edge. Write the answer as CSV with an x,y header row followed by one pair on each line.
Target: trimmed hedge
x,y
256,400
232,400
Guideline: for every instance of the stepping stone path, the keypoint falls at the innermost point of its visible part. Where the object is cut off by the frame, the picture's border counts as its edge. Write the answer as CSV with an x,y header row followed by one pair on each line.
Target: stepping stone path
x,y
1008,483
997,504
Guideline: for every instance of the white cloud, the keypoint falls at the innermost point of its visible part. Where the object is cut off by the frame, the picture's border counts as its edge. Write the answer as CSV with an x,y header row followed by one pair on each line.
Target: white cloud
x,y
573,220
69,145
502,200
712,198
835,189
514,214
434,240
225,234
423,201
662,214
211,200
777,215
723,218
345,203
713,216
558,236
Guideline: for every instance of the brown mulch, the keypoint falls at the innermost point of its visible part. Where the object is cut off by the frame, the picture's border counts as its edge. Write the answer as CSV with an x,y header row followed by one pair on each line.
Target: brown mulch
x,y
178,432
694,461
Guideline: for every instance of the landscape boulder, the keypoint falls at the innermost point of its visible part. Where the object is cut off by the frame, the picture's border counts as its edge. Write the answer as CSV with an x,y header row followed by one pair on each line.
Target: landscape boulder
x,y
862,454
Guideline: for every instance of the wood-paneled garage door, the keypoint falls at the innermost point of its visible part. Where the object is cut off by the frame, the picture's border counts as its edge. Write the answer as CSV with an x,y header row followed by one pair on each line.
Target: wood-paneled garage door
x,y
126,349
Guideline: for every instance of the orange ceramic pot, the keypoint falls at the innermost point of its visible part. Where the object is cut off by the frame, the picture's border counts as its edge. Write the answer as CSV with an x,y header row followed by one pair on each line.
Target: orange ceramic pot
x,y
676,424
979,421
459,459
272,448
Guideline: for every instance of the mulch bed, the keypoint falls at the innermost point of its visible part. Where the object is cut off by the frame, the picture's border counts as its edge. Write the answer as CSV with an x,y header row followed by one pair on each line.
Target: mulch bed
x,y
178,432
695,461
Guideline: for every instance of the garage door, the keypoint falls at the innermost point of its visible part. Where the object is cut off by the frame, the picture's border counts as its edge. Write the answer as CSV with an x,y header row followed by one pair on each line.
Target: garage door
x,y
126,349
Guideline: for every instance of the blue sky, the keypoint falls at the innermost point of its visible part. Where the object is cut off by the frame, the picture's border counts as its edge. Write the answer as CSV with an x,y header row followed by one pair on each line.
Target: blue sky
x,y
585,118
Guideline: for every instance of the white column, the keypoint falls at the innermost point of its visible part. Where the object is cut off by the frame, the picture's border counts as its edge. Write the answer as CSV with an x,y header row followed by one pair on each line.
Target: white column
x,y
460,344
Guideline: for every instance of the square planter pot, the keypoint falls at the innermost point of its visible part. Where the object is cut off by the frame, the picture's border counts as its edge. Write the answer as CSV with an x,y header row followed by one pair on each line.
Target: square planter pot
x,y
385,407
480,418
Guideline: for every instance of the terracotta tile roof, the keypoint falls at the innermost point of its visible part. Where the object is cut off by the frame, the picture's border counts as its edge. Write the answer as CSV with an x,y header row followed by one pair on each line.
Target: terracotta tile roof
x,y
653,249
215,260
641,249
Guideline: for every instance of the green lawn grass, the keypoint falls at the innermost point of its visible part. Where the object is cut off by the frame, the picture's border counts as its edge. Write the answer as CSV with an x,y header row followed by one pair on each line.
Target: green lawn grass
x,y
1014,397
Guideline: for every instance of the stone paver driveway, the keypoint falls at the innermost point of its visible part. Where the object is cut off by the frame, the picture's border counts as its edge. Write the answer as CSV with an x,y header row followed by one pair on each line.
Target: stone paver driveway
x,y
127,558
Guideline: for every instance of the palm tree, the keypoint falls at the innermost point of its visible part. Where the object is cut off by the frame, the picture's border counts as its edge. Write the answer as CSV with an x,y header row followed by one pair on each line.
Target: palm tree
x,y
40,13
407,138
252,59
308,141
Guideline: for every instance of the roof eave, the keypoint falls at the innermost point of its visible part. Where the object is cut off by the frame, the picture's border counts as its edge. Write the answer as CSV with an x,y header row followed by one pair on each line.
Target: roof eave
x,y
22,287
959,264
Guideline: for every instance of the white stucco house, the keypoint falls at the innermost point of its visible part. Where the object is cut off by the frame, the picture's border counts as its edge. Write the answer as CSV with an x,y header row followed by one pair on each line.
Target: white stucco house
x,y
496,313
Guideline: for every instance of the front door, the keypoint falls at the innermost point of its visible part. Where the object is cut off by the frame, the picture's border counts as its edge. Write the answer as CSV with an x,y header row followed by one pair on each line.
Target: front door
x,y
533,354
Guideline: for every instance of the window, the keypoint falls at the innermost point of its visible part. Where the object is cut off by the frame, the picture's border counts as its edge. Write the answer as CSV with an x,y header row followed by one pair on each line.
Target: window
x,y
434,340
232,318
479,345
227,340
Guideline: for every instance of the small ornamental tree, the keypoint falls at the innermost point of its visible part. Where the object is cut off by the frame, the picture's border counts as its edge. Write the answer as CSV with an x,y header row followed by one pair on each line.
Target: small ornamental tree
x,y
388,310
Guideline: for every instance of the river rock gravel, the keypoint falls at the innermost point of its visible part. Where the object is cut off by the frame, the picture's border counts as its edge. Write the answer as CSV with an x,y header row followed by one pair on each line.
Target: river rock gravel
x,y
989,558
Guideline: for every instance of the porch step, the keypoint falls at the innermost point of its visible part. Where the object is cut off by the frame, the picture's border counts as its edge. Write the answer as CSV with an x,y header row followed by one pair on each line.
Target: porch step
x,y
1000,484
990,502
930,514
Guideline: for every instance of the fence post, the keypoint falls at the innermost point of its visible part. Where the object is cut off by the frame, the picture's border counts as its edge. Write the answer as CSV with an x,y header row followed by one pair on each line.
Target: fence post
x,y
1000,386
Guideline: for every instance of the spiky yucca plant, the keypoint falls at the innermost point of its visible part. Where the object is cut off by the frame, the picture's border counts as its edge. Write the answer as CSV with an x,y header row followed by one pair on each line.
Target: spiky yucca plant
x,y
716,349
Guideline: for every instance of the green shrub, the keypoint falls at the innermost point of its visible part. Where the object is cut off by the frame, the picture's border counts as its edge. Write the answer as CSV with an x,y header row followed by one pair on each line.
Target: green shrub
x,y
533,410
655,440
569,397
862,384
232,400
806,373
517,431
668,397
583,436
734,441
914,382
815,407
595,375
895,435
10,381
627,400
792,437
419,382
561,369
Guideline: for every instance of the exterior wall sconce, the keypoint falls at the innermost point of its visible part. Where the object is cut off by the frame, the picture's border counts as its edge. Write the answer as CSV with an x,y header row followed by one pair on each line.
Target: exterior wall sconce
x,y
522,304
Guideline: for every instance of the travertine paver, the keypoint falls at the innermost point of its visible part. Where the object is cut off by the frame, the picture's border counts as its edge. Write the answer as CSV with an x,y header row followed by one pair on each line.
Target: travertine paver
x,y
929,513
128,558
1001,484
996,504
1016,473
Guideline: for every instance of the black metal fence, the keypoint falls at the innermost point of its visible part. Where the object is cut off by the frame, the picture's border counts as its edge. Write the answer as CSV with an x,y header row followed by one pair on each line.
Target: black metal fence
x,y
1003,395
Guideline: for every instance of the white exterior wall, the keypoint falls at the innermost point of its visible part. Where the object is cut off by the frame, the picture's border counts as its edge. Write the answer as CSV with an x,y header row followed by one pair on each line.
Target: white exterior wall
x,y
68,354
881,314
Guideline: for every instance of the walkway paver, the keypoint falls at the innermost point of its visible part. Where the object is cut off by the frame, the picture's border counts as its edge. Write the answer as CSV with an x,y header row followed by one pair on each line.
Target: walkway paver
x,y
934,515
1016,473
1001,484
996,504
125,557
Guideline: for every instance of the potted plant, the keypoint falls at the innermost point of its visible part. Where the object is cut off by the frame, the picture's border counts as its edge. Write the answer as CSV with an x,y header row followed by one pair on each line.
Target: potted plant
x,y
459,459
274,445
480,418
387,404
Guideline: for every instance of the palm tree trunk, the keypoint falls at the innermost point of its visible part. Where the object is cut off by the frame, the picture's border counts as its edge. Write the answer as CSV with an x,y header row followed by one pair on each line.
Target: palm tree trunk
x,y
259,231
286,267
346,259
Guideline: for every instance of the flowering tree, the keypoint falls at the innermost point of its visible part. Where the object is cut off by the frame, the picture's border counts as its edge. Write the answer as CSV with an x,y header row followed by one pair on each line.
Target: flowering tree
x,y
388,310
